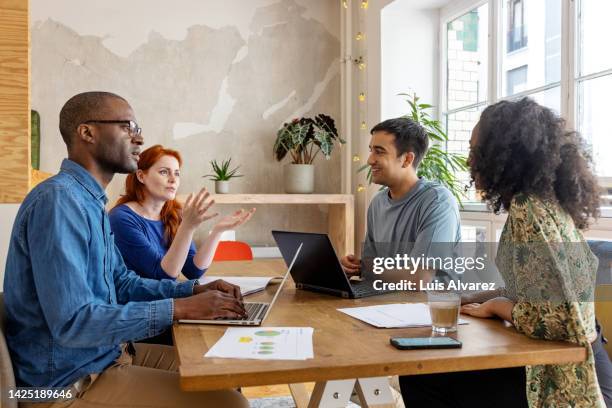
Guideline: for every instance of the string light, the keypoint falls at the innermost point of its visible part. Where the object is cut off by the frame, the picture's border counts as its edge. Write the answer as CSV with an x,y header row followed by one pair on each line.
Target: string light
x,y
360,63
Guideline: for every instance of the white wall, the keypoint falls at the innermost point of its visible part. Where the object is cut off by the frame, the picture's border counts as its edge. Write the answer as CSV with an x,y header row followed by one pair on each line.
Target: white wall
x,y
410,56
402,55
7,217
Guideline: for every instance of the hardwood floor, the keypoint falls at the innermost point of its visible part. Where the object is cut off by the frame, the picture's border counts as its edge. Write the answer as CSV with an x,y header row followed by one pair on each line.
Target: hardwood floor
x,y
266,391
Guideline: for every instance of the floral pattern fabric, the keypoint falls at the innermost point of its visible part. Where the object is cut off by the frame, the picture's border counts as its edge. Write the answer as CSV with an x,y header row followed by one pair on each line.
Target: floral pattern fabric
x,y
550,274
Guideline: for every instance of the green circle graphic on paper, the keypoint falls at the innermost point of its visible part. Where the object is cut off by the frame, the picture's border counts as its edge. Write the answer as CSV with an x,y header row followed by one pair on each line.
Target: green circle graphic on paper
x,y
265,352
267,333
266,347
267,343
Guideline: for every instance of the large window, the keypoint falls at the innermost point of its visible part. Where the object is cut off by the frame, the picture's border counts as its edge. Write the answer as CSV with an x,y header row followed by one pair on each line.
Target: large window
x,y
594,81
467,78
533,68
562,63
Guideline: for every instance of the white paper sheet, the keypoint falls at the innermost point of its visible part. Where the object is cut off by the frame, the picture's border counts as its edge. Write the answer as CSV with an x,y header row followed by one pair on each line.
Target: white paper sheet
x,y
248,284
394,315
264,343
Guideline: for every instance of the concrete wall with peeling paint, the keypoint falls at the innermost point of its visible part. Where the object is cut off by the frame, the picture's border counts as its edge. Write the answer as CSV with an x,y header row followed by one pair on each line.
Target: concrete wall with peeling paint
x,y
211,79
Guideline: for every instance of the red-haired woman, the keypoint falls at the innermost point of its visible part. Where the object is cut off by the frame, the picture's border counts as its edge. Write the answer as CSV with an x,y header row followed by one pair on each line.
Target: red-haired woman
x,y
154,232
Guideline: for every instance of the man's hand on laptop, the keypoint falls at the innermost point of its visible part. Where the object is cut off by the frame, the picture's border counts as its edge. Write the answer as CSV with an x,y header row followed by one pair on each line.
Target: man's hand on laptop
x,y
221,286
351,264
209,305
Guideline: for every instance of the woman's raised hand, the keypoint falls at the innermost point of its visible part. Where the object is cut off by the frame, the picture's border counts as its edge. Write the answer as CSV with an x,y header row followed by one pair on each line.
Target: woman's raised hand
x,y
195,210
234,220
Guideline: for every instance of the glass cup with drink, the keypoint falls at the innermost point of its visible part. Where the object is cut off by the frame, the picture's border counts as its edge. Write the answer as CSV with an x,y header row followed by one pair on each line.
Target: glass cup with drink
x,y
444,311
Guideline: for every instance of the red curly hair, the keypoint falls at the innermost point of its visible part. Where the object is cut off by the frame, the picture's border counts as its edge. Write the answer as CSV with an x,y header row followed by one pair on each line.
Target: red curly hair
x,y
135,190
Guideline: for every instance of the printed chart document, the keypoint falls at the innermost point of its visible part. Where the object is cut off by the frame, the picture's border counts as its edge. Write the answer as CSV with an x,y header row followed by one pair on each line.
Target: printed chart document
x,y
248,284
264,343
394,315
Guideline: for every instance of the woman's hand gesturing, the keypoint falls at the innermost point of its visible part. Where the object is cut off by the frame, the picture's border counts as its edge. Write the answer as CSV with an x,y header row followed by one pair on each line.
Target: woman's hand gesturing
x,y
195,210
235,220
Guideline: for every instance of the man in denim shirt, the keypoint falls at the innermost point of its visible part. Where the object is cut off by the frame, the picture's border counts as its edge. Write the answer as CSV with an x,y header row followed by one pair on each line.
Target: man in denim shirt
x,y
72,306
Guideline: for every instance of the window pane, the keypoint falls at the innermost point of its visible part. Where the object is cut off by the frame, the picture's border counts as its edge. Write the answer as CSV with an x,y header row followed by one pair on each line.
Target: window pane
x,y
467,58
593,38
531,55
472,233
594,120
550,98
517,80
459,127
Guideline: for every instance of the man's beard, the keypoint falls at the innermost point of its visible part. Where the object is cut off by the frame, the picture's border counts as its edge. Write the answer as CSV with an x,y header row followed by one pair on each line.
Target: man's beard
x,y
111,165
380,181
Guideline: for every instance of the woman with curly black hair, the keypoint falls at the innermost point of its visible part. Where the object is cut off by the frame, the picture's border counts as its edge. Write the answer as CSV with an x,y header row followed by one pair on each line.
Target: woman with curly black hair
x,y
525,162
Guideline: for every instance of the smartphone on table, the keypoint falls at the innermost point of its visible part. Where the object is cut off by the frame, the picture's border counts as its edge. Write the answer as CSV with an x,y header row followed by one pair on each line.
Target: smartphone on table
x,y
414,343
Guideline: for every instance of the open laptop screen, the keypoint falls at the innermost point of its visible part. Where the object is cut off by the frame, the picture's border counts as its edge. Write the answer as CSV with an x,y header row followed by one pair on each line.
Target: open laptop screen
x,y
317,264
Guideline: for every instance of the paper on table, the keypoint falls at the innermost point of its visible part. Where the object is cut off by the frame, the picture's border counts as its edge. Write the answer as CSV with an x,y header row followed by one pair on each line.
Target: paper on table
x,y
248,284
264,343
393,315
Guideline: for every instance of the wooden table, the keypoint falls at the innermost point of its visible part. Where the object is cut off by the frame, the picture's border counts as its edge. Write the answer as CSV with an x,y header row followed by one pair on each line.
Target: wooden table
x,y
346,348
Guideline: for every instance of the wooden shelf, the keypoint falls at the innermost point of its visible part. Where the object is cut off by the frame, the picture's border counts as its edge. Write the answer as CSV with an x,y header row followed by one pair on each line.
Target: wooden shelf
x,y
279,198
340,220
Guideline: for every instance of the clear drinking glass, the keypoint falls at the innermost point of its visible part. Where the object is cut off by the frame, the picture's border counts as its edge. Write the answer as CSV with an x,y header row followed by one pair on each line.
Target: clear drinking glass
x,y
444,311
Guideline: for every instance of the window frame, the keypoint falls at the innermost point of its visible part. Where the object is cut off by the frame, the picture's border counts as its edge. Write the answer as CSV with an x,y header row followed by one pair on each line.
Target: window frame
x,y
569,59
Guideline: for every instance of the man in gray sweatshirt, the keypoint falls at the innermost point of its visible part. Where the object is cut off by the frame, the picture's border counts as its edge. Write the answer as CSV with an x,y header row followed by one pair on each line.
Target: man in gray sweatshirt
x,y
410,214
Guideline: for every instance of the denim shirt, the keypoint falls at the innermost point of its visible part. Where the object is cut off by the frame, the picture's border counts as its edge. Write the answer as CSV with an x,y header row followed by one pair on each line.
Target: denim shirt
x,y
70,300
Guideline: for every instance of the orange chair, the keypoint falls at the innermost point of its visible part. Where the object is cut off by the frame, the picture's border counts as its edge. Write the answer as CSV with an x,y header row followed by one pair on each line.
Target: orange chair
x,y
233,251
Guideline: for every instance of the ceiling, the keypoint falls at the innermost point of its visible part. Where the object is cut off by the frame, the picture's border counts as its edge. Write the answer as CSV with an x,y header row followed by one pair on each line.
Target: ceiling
x,y
426,4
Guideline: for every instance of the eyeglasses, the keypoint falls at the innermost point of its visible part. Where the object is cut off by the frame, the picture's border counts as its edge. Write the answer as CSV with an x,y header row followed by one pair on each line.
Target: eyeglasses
x,y
133,129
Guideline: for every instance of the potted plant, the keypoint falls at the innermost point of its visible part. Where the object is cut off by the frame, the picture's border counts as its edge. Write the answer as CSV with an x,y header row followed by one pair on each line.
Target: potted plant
x,y
438,164
222,175
304,139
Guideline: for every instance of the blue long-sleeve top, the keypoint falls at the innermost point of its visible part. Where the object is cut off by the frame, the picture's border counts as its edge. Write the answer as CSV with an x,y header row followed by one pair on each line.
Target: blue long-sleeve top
x,y
142,245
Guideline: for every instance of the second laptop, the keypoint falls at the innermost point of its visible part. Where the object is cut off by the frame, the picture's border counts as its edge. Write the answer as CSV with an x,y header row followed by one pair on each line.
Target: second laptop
x,y
318,268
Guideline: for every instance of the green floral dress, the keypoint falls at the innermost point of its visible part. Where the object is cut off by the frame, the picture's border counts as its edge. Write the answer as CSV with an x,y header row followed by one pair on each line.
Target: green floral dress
x,y
550,273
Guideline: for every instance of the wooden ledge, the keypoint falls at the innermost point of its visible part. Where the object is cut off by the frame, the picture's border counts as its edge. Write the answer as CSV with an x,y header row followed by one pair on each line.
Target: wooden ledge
x,y
279,198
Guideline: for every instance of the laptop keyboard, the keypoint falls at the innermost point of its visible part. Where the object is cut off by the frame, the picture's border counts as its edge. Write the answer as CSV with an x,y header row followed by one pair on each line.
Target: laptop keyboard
x,y
364,288
254,311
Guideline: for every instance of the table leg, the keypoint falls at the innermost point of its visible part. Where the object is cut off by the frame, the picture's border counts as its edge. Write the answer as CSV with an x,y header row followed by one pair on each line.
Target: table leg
x,y
375,392
331,394
299,394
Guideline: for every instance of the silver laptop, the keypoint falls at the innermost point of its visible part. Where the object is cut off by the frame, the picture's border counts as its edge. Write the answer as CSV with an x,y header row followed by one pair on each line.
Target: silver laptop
x,y
256,311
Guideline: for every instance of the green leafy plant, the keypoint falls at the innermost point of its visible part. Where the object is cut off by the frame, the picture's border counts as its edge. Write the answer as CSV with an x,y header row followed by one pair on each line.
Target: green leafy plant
x,y
305,138
438,164
222,171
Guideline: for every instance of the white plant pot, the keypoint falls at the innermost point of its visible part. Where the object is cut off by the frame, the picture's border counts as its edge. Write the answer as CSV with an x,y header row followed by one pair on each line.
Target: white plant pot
x,y
299,178
221,186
